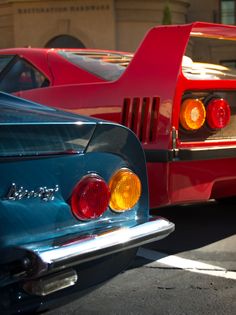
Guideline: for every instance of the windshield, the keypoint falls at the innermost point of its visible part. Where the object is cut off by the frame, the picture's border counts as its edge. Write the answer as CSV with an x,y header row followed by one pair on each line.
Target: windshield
x,y
108,66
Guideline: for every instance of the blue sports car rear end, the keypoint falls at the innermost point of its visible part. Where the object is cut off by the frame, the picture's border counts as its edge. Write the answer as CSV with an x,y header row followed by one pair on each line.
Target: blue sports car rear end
x,y
73,204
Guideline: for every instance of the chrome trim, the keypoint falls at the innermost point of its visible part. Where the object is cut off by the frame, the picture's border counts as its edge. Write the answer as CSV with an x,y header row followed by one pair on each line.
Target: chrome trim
x,y
95,246
51,283
43,193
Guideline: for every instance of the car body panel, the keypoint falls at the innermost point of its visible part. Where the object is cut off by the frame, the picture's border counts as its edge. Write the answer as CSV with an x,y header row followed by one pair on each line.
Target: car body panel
x,y
44,154
147,98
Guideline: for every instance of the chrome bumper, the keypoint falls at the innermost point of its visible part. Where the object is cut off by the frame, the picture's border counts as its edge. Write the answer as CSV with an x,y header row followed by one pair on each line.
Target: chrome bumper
x,y
41,259
95,246
47,270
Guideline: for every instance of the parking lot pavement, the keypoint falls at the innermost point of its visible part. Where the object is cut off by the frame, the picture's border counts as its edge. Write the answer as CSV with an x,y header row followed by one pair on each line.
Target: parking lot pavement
x,y
190,272
190,265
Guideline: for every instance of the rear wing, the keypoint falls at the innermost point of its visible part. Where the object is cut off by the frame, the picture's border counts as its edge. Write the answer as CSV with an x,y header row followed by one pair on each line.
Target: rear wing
x,y
161,52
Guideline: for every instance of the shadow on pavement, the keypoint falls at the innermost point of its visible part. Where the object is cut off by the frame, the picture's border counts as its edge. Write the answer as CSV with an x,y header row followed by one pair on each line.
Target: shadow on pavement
x,y
195,226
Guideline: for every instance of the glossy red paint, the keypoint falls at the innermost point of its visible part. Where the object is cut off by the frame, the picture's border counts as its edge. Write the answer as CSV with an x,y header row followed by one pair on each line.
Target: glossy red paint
x,y
209,179
147,98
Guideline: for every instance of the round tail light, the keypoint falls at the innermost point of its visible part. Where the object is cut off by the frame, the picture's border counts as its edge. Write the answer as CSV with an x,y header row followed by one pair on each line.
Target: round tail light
x,y
218,113
125,187
90,198
192,114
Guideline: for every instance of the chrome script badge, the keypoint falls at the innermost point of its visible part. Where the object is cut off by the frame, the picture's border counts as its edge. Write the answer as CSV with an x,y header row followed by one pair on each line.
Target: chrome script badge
x,y
43,193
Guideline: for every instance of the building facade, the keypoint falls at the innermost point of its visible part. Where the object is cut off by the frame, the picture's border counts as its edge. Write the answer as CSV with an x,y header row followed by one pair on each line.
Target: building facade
x,y
109,24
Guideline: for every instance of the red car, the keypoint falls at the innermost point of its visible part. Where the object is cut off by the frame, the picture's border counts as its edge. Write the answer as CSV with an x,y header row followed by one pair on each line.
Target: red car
x,y
182,111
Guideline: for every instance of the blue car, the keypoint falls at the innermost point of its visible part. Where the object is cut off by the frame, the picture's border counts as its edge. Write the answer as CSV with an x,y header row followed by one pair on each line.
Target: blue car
x,y
73,204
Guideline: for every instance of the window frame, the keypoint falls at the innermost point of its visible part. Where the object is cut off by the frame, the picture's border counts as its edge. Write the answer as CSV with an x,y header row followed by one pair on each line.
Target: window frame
x,y
220,11
10,66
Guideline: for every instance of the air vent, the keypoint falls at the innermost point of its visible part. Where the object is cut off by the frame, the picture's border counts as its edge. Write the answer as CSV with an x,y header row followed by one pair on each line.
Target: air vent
x,y
141,115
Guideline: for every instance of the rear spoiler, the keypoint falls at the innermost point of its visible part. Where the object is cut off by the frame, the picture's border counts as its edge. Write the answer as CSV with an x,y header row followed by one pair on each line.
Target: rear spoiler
x,y
161,53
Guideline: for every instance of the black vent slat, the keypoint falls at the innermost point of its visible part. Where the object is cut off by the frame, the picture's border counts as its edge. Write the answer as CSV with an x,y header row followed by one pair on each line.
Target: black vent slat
x,y
141,116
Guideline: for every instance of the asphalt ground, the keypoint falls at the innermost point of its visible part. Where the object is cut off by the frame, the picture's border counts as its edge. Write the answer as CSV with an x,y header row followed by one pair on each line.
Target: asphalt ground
x,y
193,271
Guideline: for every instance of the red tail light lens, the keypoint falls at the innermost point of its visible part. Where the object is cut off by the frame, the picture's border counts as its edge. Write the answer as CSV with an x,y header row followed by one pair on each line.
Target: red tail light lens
x,y
90,197
218,113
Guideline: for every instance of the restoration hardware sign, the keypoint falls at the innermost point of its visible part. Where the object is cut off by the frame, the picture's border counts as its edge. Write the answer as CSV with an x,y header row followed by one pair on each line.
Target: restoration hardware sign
x,y
81,8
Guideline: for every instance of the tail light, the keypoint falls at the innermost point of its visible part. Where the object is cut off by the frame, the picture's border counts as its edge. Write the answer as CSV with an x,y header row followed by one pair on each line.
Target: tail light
x,y
192,114
218,113
125,187
90,197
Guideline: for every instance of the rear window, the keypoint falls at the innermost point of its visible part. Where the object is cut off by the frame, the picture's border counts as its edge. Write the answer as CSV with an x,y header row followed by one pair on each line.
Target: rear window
x,y
209,58
43,139
4,61
206,71
16,74
106,66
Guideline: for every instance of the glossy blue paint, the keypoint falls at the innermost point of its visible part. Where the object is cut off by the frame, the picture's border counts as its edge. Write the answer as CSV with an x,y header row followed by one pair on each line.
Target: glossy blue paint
x,y
32,220
16,110
41,149
48,147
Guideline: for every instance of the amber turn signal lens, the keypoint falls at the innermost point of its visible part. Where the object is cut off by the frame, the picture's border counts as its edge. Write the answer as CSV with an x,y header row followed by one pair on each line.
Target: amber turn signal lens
x,y
125,188
192,114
